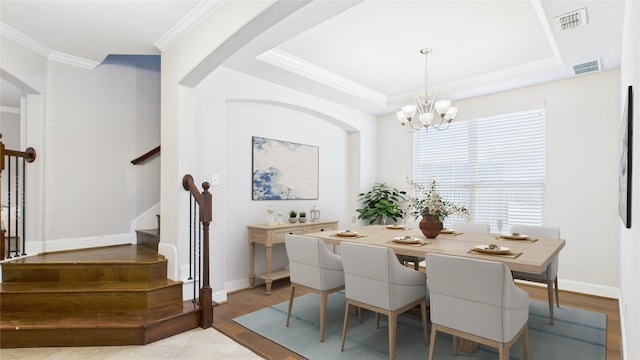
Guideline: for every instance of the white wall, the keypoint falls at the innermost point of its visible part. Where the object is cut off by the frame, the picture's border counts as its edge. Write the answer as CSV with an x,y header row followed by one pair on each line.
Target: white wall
x,y
630,238
97,121
581,169
230,109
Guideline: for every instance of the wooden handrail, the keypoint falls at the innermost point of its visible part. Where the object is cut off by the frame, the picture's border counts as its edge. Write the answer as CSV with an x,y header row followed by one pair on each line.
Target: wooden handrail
x,y
205,201
142,158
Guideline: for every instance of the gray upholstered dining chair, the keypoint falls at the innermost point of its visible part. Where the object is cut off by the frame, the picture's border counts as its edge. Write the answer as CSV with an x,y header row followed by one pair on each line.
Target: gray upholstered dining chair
x,y
313,266
550,275
476,300
376,281
471,227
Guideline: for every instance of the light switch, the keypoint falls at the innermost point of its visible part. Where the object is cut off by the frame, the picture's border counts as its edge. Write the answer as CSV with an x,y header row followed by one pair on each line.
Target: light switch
x,y
215,179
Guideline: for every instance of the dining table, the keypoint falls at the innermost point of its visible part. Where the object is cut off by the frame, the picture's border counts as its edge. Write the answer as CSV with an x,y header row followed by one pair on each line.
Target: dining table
x,y
519,252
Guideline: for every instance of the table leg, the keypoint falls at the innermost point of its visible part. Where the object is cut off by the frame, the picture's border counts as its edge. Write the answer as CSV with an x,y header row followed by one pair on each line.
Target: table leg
x,y
252,269
268,279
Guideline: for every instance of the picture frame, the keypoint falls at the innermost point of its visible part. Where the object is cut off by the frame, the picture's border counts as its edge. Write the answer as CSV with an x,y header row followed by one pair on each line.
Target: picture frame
x,y
283,170
626,152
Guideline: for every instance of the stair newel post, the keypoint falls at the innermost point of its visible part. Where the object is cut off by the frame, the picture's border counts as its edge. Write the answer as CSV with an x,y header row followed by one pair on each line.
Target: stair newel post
x,y
205,203
206,216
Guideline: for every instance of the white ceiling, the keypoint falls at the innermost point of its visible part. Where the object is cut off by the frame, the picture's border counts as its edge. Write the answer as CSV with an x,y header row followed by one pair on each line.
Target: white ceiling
x,y
364,54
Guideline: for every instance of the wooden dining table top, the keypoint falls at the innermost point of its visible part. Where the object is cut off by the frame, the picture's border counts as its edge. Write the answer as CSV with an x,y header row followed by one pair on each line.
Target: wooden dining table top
x,y
532,255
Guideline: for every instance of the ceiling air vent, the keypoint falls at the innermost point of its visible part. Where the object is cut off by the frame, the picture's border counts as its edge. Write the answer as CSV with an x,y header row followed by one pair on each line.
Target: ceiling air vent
x,y
572,20
585,67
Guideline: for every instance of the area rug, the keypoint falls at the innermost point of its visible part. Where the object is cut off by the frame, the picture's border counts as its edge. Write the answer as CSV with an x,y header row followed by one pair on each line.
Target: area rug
x,y
577,334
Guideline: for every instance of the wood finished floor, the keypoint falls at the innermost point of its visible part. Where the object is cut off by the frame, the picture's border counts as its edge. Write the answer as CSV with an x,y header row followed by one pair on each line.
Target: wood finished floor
x,y
246,301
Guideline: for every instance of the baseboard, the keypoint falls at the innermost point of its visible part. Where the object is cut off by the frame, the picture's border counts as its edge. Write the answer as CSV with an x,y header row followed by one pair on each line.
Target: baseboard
x,y
584,288
236,285
37,247
219,296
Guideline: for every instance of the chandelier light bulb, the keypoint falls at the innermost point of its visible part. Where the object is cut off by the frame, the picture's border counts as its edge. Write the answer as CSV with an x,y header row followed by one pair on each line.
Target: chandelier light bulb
x,y
442,106
401,118
409,111
451,113
426,118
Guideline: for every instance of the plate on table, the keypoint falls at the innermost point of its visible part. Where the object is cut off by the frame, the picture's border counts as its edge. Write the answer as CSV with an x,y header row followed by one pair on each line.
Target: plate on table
x,y
347,233
515,237
492,249
407,240
447,231
395,227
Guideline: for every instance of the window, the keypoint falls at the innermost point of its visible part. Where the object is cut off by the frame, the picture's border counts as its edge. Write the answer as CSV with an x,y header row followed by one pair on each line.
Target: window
x,y
494,166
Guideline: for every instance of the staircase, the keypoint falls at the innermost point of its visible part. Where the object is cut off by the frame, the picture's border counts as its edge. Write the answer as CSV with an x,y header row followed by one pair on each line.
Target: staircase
x,y
116,295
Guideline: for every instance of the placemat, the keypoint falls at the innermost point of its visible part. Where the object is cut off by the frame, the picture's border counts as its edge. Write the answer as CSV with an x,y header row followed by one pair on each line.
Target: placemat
x,y
416,245
349,237
512,255
529,240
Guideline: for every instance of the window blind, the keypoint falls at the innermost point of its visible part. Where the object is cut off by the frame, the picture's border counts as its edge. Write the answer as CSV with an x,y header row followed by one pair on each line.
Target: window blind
x,y
494,166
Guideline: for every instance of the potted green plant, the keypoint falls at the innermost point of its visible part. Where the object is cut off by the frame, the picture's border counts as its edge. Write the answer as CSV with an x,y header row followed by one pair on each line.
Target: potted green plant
x,y
302,217
381,203
293,217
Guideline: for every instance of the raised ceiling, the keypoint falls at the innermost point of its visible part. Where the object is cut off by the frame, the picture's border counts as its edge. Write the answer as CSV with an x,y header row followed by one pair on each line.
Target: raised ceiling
x,y
364,54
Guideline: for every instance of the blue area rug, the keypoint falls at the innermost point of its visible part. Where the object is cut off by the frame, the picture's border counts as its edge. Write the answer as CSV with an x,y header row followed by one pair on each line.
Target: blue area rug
x,y
577,334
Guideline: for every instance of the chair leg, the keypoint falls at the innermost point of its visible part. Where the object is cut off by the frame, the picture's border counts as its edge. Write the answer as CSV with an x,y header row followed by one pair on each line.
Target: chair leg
x,y
323,313
423,310
393,319
525,342
344,326
557,293
550,296
432,343
377,321
455,345
503,352
293,290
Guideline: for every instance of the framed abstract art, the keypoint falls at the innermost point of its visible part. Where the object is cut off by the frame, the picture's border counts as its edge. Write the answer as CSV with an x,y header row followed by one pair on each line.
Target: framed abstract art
x,y
624,177
284,170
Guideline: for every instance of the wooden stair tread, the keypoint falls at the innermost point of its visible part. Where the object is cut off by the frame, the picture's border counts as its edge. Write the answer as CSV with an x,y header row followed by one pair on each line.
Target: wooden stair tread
x,y
109,254
47,287
84,319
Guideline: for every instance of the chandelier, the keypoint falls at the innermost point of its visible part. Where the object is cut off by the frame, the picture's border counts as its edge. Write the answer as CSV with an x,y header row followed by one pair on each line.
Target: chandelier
x,y
427,107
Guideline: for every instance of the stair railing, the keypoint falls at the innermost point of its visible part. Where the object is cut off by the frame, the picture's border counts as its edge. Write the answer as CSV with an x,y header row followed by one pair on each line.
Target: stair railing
x,y
14,230
199,245
144,157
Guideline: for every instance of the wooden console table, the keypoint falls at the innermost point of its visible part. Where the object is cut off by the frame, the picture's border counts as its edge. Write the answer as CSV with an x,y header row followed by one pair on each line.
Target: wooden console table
x,y
270,235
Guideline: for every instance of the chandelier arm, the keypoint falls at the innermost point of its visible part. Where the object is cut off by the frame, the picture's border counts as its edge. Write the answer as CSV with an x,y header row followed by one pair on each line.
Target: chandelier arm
x,y
440,125
411,128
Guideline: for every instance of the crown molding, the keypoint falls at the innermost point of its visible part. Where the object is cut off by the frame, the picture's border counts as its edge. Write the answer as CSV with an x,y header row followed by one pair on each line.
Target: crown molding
x,y
23,40
73,60
30,44
197,15
320,75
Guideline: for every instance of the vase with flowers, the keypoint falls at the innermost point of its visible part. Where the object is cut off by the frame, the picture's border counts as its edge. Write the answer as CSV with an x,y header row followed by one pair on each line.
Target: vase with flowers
x,y
427,203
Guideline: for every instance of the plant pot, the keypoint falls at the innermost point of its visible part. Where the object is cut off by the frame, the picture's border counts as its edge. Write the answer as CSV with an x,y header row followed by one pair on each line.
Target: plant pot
x,y
430,226
293,220
302,220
